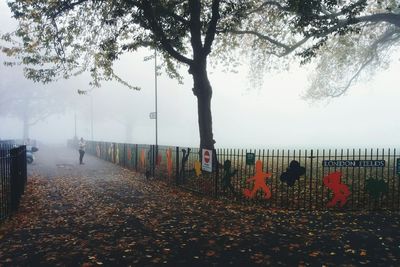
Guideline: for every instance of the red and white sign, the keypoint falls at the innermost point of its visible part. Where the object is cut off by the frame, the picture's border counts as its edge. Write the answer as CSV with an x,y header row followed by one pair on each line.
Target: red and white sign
x,y
206,160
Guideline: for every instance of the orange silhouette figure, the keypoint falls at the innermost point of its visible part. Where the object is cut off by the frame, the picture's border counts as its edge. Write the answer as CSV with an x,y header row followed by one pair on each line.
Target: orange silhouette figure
x,y
129,154
142,158
341,191
259,182
169,161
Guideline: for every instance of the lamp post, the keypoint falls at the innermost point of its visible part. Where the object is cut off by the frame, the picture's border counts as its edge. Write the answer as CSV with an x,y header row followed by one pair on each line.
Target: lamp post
x,y
155,88
91,117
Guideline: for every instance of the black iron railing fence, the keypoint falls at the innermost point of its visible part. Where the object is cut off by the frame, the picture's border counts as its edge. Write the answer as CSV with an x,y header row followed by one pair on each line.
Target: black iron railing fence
x,y
316,179
13,177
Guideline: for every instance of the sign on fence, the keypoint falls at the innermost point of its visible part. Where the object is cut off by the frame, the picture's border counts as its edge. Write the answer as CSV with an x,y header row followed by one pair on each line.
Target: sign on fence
x,y
354,163
206,162
398,167
250,158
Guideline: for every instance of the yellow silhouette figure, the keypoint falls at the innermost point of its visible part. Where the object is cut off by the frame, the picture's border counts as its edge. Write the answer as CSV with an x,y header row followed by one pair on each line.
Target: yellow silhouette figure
x,y
117,155
169,161
259,182
111,152
197,168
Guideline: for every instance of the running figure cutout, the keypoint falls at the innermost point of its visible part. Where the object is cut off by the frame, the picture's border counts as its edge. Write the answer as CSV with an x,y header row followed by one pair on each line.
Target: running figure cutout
x,y
340,191
259,182
142,158
169,161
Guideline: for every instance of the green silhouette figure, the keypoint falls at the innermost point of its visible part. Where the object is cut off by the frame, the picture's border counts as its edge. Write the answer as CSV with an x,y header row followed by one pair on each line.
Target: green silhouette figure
x,y
376,188
228,174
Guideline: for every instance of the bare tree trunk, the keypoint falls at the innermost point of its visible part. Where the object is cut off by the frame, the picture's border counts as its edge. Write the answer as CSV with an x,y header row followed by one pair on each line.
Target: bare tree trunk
x,y
203,91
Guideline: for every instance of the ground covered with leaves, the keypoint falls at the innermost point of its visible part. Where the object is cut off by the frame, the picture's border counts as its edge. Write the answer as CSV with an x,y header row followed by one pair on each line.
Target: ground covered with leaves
x,y
89,215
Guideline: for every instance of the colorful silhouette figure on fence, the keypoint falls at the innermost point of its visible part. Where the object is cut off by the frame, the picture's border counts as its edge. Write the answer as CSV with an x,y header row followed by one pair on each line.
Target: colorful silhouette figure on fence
x,y
227,179
98,150
117,154
376,188
340,191
111,152
129,154
169,161
292,173
259,182
142,159
197,168
184,160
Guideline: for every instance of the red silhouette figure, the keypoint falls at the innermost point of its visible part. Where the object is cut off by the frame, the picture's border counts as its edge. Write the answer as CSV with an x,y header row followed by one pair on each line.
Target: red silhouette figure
x,y
259,182
341,191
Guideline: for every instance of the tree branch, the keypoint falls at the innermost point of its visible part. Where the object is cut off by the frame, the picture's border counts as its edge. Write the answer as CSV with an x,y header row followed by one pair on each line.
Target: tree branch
x,y
65,6
159,34
386,17
386,36
195,28
210,35
288,48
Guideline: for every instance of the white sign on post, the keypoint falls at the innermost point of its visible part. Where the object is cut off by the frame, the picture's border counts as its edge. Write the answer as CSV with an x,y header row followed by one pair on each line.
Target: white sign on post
x,y
206,160
153,115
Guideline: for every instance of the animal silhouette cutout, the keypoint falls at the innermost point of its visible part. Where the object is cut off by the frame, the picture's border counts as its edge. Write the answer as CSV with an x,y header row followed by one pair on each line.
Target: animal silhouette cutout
x,y
376,188
340,191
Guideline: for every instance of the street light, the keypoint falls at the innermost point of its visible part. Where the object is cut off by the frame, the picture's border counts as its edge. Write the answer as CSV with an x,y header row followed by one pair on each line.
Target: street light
x,y
155,88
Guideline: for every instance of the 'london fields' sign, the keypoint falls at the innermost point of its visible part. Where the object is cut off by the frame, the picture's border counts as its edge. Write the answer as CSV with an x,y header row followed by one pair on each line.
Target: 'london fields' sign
x,y
354,163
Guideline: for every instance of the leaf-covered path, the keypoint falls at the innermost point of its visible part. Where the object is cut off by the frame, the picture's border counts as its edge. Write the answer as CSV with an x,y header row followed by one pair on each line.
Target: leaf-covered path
x,y
100,214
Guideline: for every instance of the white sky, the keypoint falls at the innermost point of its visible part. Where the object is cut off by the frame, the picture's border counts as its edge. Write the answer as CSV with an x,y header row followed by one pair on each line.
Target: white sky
x,y
274,116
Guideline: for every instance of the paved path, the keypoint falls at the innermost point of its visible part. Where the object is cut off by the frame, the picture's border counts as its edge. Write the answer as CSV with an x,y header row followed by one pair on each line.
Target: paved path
x,y
100,214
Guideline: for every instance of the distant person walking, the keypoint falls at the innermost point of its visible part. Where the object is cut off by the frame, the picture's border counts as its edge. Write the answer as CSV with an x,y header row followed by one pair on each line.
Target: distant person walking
x,y
82,145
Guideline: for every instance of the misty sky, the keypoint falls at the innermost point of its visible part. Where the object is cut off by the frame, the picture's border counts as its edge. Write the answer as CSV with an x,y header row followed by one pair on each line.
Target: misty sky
x,y
270,117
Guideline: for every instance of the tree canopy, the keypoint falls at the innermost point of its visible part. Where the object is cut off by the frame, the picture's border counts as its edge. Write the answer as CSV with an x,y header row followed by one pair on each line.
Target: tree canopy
x,y
346,40
64,38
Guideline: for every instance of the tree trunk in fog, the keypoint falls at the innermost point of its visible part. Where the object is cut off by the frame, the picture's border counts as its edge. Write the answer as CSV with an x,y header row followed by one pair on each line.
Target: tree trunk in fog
x,y
203,91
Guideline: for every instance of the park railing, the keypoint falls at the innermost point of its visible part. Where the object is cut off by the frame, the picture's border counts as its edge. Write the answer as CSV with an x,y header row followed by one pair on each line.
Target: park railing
x,y
316,179
13,177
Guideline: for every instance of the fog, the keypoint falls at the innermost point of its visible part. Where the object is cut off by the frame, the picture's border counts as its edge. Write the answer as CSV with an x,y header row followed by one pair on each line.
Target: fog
x,y
273,116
